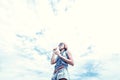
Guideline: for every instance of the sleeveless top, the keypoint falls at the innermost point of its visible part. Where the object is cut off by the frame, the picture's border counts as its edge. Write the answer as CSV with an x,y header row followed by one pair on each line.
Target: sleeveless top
x,y
61,62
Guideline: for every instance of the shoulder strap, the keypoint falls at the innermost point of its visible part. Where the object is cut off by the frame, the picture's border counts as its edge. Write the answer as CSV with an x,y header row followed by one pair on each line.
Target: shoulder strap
x,y
65,53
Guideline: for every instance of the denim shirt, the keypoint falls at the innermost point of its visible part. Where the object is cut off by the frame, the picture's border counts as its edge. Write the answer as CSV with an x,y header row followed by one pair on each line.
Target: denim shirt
x,y
61,62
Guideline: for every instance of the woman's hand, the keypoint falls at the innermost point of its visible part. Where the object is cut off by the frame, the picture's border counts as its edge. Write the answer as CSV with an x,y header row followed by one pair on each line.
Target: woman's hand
x,y
56,51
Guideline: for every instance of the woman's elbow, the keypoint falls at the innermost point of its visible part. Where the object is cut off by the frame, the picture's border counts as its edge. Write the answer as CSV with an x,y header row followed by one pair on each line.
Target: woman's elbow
x,y
72,63
52,63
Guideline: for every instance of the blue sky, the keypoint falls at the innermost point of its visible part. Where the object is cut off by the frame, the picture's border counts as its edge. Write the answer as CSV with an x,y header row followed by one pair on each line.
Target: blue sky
x,y
30,29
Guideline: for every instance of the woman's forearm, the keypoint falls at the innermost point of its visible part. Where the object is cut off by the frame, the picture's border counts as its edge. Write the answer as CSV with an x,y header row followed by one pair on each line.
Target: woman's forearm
x,y
53,59
69,61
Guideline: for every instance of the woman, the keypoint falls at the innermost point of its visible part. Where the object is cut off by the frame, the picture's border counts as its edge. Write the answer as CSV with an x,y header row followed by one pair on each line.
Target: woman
x,y
64,58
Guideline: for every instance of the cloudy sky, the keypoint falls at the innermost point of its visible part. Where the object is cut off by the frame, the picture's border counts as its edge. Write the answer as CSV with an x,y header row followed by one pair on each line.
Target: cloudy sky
x,y
30,29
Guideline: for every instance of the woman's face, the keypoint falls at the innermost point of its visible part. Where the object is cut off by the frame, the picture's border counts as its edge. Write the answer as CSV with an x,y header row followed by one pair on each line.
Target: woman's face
x,y
61,46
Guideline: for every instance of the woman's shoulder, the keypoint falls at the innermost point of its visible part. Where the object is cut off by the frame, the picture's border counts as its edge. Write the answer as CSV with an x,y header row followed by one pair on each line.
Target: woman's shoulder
x,y
68,51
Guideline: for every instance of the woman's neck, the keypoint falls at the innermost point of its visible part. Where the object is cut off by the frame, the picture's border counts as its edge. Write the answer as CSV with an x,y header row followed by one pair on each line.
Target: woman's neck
x,y
62,50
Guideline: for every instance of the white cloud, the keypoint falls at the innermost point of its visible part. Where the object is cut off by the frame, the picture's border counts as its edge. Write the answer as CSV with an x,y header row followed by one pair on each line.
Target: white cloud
x,y
85,24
